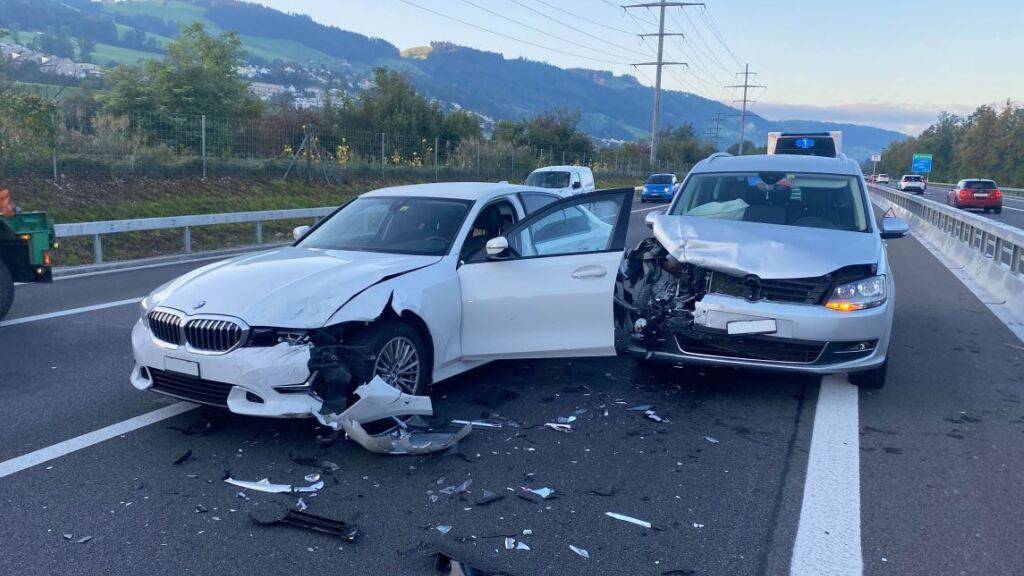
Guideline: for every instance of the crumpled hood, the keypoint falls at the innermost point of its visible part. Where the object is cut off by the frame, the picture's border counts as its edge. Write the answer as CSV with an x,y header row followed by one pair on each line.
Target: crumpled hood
x,y
769,251
289,287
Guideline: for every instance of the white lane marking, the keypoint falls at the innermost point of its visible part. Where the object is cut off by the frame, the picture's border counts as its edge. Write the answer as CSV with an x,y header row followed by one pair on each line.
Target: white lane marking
x,y
70,312
651,208
95,437
145,267
828,535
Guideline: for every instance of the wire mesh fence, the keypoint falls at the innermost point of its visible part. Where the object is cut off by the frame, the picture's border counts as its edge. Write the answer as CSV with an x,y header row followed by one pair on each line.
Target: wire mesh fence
x,y
92,143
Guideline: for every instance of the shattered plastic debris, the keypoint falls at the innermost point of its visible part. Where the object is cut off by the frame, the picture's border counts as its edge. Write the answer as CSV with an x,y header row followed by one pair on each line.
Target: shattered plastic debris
x,y
653,416
513,544
603,491
301,505
566,419
443,529
83,539
488,497
183,458
399,442
312,477
377,401
632,520
200,426
579,551
446,563
325,466
475,423
461,489
559,427
640,408
544,493
710,439
269,514
266,486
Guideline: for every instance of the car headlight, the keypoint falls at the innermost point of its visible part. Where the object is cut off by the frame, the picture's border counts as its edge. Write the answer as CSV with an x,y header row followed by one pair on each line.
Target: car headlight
x,y
859,295
145,305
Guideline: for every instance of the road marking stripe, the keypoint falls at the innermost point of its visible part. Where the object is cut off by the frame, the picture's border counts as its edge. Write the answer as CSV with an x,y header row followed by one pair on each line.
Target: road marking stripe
x,y
828,534
85,440
70,312
651,208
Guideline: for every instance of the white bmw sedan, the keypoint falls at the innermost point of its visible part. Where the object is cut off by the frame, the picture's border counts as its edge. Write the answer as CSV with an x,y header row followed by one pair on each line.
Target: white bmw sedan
x,y
414,284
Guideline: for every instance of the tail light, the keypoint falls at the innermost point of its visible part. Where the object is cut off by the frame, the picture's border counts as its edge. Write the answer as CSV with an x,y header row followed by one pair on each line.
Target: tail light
x,y
997,193
47,260
965,193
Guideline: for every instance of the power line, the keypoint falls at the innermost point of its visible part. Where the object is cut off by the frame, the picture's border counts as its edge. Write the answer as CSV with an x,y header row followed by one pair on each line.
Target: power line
x,y
706,50
660,63
509,37
571,27
682,80
534,28
718,34
746,86
584,18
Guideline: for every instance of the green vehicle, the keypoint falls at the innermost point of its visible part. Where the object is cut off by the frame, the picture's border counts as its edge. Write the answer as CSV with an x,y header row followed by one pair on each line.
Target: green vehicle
x,y
26,240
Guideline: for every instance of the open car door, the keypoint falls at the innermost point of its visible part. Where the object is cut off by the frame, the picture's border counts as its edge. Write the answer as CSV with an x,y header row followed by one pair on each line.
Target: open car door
x,y
550,293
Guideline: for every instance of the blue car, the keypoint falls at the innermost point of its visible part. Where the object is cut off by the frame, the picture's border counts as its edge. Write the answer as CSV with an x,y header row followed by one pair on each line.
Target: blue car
x,y
659,187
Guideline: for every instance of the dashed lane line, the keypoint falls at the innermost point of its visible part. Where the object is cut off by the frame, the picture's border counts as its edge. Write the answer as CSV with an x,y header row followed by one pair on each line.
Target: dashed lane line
x,y
70,312
828,534
89,439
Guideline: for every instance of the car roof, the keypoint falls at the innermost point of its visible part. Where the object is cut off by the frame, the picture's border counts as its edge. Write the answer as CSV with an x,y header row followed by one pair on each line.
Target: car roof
x,y
564,168
455,190
722,162
662,174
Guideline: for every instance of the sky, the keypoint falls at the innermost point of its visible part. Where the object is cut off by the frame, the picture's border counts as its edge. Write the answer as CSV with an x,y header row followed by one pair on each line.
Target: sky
x,y
889,63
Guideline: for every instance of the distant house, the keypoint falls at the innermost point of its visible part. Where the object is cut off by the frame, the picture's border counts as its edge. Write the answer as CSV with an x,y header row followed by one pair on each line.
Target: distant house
x,y
266,91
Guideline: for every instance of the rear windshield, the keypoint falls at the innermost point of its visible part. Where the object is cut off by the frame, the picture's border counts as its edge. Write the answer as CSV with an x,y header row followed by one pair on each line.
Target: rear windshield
x,y
792,199
660,179
912,178
548,180
979,184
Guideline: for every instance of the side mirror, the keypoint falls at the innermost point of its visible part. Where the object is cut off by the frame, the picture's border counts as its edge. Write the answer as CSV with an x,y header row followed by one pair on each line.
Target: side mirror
x,y
497,248
577,185
300,231
893,227
649,219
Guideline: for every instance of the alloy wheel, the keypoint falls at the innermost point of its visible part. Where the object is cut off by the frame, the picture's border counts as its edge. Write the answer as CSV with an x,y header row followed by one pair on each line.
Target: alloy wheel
x,y
398,364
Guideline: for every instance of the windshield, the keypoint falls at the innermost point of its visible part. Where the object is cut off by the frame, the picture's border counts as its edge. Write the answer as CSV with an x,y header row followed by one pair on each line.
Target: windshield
x,y
548,180
911,178
791,199
392,224
979,184
659,179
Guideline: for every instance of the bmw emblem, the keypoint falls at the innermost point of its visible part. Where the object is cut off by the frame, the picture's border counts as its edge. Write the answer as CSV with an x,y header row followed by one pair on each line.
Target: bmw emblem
x,y
199,305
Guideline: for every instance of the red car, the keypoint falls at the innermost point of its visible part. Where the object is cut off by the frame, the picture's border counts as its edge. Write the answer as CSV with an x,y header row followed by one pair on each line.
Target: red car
x,y
976,193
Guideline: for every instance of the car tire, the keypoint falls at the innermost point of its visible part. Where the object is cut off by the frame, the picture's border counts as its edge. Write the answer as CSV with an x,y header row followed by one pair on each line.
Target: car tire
x,y
873,379
998,209
6,290
382,347
984,210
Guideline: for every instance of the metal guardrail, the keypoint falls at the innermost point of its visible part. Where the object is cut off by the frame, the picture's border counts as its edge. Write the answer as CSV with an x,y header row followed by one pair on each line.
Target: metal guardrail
x,y
98,229
1018,192
1003,243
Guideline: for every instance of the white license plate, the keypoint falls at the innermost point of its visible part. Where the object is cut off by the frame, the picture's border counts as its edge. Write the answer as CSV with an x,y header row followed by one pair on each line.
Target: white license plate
x,y
181,366
751,327
982,195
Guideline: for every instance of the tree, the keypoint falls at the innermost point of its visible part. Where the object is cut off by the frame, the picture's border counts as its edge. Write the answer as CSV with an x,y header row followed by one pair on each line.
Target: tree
x,y
196,77
553,131
86,46
748,148
57,43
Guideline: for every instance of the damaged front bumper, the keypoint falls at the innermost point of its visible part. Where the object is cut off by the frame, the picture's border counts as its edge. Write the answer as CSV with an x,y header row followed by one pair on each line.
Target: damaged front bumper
x,y
271,381
808,339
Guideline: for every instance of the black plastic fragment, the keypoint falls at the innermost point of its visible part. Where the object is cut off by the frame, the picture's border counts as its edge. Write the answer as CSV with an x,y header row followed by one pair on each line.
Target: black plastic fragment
x,y
446,563
603,491
493,396
336,379
269,514
183,458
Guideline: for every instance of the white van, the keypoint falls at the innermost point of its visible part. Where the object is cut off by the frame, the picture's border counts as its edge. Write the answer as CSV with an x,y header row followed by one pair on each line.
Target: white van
x,y
563,180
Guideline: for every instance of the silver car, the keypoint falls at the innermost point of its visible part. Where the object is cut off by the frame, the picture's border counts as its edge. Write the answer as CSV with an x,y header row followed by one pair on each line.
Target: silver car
x,y
773,262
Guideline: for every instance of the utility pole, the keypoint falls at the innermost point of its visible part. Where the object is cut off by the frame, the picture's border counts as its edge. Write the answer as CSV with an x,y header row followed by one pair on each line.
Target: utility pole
x,y
715,133
660,63
746,87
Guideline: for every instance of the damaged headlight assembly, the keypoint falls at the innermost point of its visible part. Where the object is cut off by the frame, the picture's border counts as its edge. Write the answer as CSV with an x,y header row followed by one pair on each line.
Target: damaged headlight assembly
x,y
859,295
266,337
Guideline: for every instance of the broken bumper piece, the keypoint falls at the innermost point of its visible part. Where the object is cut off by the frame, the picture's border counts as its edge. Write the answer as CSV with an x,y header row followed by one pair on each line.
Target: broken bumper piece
x,y
401,441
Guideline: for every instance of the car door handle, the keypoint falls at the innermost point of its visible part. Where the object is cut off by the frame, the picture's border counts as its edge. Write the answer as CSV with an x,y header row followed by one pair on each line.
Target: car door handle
x,y
591,271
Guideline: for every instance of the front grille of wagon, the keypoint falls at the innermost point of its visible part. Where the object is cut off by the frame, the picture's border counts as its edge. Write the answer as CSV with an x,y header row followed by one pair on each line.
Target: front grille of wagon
x,y
212,335
165,326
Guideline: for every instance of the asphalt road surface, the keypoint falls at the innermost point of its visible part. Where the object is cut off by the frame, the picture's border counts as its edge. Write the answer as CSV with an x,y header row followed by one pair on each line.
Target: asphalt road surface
x,y
750,473
1013,206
